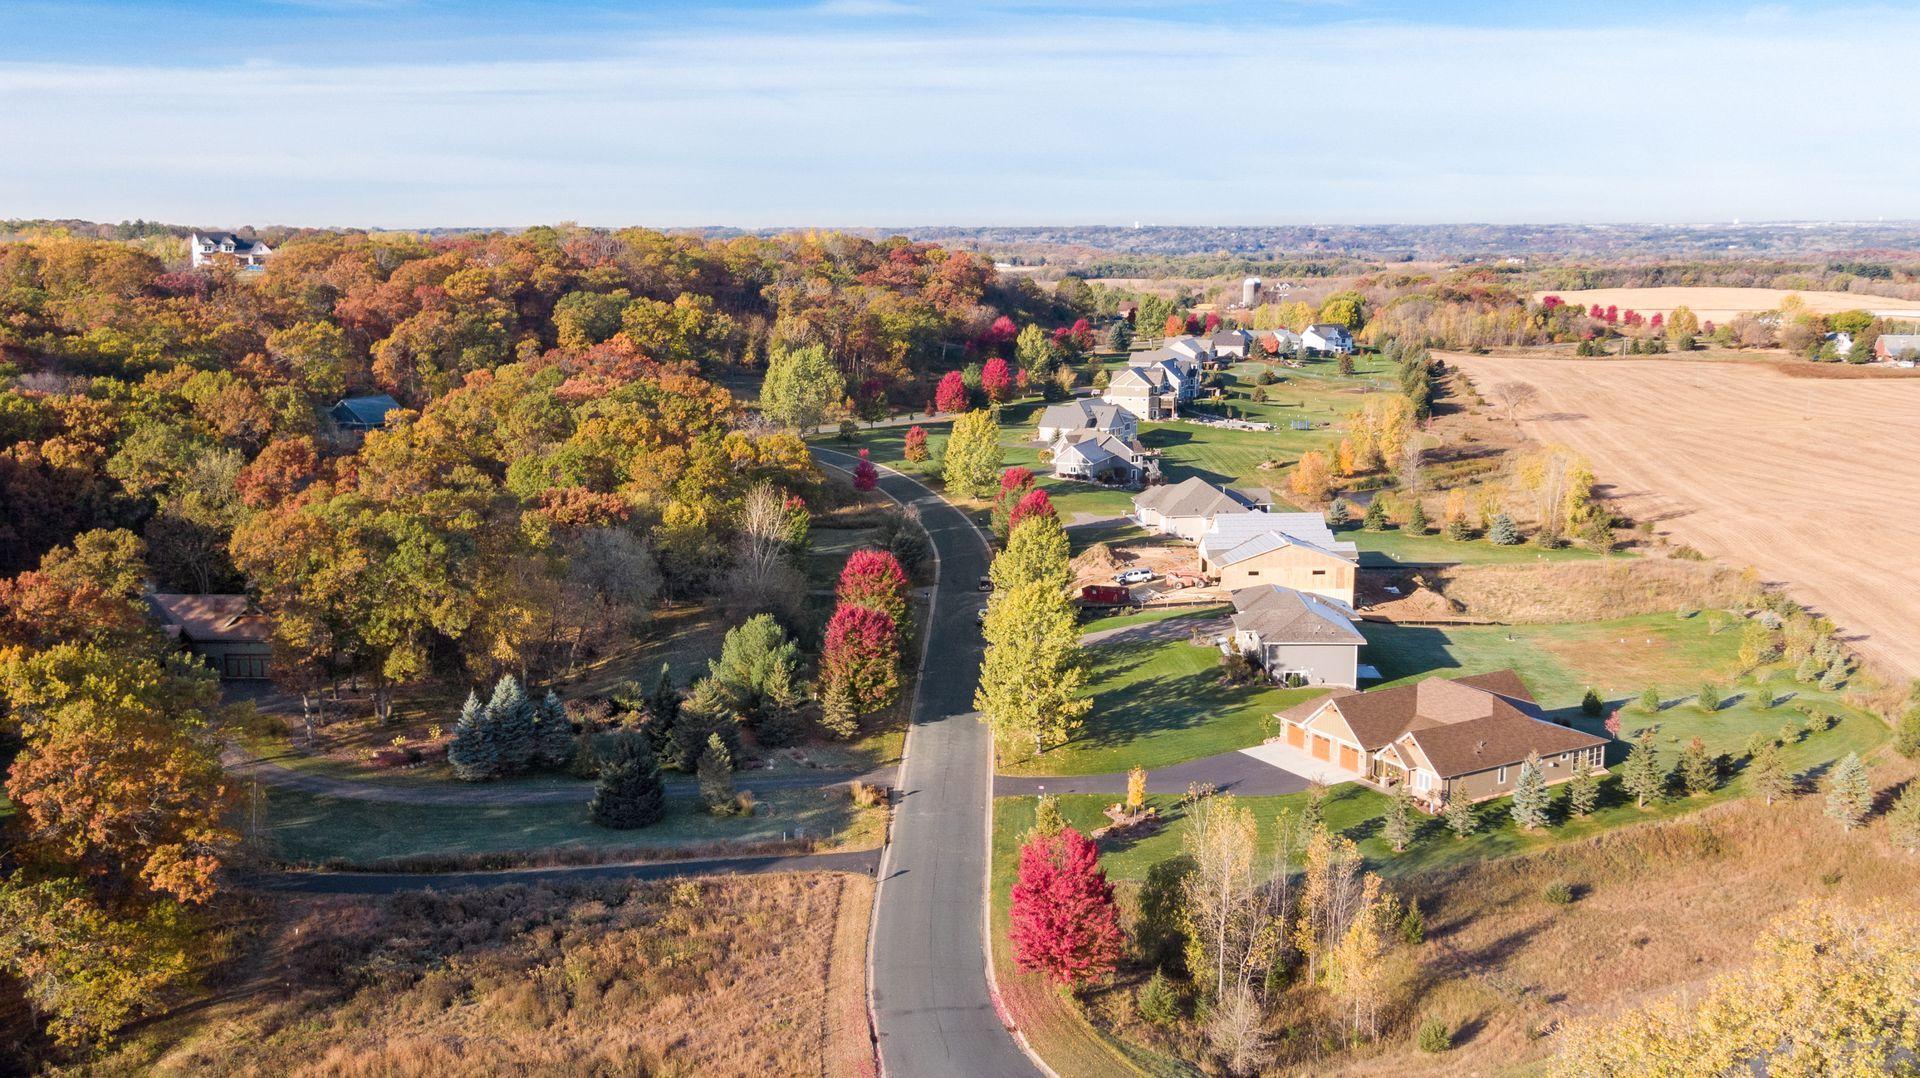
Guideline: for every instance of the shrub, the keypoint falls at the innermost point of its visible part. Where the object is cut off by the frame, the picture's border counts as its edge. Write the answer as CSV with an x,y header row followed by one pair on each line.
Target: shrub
x,y
1708,698
1559,893
1157,1001
1435,1036
1650,701
867,794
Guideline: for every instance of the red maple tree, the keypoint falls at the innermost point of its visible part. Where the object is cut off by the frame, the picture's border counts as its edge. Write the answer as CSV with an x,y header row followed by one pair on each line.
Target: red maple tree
x,y
874,579
861,657
865,475
1034,503
1065,924
915,447
951,396
997,380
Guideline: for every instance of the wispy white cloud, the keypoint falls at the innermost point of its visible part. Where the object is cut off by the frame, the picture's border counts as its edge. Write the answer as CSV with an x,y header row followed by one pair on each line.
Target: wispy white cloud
x,y
822,118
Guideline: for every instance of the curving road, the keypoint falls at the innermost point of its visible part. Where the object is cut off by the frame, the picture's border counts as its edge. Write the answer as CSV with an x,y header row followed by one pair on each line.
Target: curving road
x,y
932,1005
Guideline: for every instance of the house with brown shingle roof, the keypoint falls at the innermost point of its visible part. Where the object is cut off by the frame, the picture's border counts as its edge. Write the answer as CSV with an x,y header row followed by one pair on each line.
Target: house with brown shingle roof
x,y
230,632
1444,737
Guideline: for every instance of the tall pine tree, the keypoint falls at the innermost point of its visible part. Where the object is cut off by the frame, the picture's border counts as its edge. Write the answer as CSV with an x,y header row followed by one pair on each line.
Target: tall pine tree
x,y
715,771
553,732
1530,795
474,752
510,714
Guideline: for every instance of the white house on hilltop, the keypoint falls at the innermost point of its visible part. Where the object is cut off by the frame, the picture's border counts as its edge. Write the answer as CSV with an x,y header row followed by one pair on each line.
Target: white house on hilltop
x,y
205,248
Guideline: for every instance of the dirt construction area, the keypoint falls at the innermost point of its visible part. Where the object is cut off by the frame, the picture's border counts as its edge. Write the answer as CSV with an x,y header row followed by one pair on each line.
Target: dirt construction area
x,y
1813,483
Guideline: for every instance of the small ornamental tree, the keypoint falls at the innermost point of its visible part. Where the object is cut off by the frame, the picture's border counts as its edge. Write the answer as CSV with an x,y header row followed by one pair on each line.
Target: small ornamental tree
x,y
1015,483
1034,503
1612,725
1459,816
629,793
916,444
1137,788
1398,828
874,579
1065,923
1849,794
1697,771
1583,789
997,379
1530,795
860,662
1640,775
1501,531
865,475
951,394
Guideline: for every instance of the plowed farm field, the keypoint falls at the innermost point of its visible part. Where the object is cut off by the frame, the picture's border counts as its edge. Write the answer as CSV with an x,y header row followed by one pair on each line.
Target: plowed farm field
x,y
1815,483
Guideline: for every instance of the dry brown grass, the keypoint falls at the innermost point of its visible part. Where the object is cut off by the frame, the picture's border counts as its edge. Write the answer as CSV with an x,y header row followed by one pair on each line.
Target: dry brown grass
x,y
1659,908
1809,481
1589,591
729,976
1717,304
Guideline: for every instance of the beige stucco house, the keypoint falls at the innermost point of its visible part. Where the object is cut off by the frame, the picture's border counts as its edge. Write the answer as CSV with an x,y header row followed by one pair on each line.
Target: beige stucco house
x,y
1293,550
1446,738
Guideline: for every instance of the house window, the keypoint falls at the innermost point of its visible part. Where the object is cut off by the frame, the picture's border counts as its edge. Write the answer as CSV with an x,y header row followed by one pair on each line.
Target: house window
x,y
1421,780
1319,572
1502,776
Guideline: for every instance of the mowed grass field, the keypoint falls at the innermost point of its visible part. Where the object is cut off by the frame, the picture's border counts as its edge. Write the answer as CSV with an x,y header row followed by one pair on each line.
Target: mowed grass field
x,y
1810,481
1725,304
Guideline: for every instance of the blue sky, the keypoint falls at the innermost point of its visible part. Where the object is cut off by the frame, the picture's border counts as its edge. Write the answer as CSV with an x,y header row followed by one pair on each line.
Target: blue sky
x,y
406,113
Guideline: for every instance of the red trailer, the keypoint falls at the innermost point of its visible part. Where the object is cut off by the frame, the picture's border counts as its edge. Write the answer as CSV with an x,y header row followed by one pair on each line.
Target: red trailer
x,y
1106,595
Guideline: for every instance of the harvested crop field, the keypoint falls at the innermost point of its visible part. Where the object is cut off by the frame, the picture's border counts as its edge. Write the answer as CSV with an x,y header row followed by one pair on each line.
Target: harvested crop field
x,y
1725,304
1811,482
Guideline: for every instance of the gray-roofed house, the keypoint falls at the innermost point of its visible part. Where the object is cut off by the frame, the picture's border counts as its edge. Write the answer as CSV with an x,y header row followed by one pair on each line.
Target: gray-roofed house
x,y
1294,550
1461,737
1188,508
1196,350
232,634
1231,343
1085,415
1098,457
1146,393
363,413
1327,337
1897,347
1281,342
207,247
1297,638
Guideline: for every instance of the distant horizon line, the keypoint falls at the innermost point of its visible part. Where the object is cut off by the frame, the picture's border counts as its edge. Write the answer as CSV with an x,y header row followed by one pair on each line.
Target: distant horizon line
x,y
1788,222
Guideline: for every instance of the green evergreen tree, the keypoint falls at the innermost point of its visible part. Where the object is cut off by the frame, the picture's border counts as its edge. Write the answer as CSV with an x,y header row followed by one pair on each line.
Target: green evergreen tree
x,y
1398,829
1502,531
1583,789
705,712
1048,820
1849,792
1708,698
629,792
1906,737
1417,518
1768,774
1650,701
1591,705
1459,816
553,732
1458,530
1903,819
1641,776
1530,796
474,752
663,711
1697,771
1119,336
1337,513
1375,518
510,713
715,771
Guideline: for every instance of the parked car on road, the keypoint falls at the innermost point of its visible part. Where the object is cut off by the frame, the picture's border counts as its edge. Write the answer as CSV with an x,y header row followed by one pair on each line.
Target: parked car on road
x,y
1135,576
986,583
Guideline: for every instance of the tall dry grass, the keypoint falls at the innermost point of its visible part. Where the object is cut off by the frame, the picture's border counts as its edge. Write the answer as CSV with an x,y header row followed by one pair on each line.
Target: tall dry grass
x,y
1589,591
745,975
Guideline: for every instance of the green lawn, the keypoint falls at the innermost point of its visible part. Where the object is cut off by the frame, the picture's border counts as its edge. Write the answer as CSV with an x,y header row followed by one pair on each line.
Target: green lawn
x,y
1386,549
307,828
1147,617
1159,703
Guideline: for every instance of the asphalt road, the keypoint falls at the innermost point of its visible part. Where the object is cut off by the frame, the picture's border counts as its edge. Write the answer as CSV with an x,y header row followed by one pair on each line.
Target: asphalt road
x,y
932,1006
